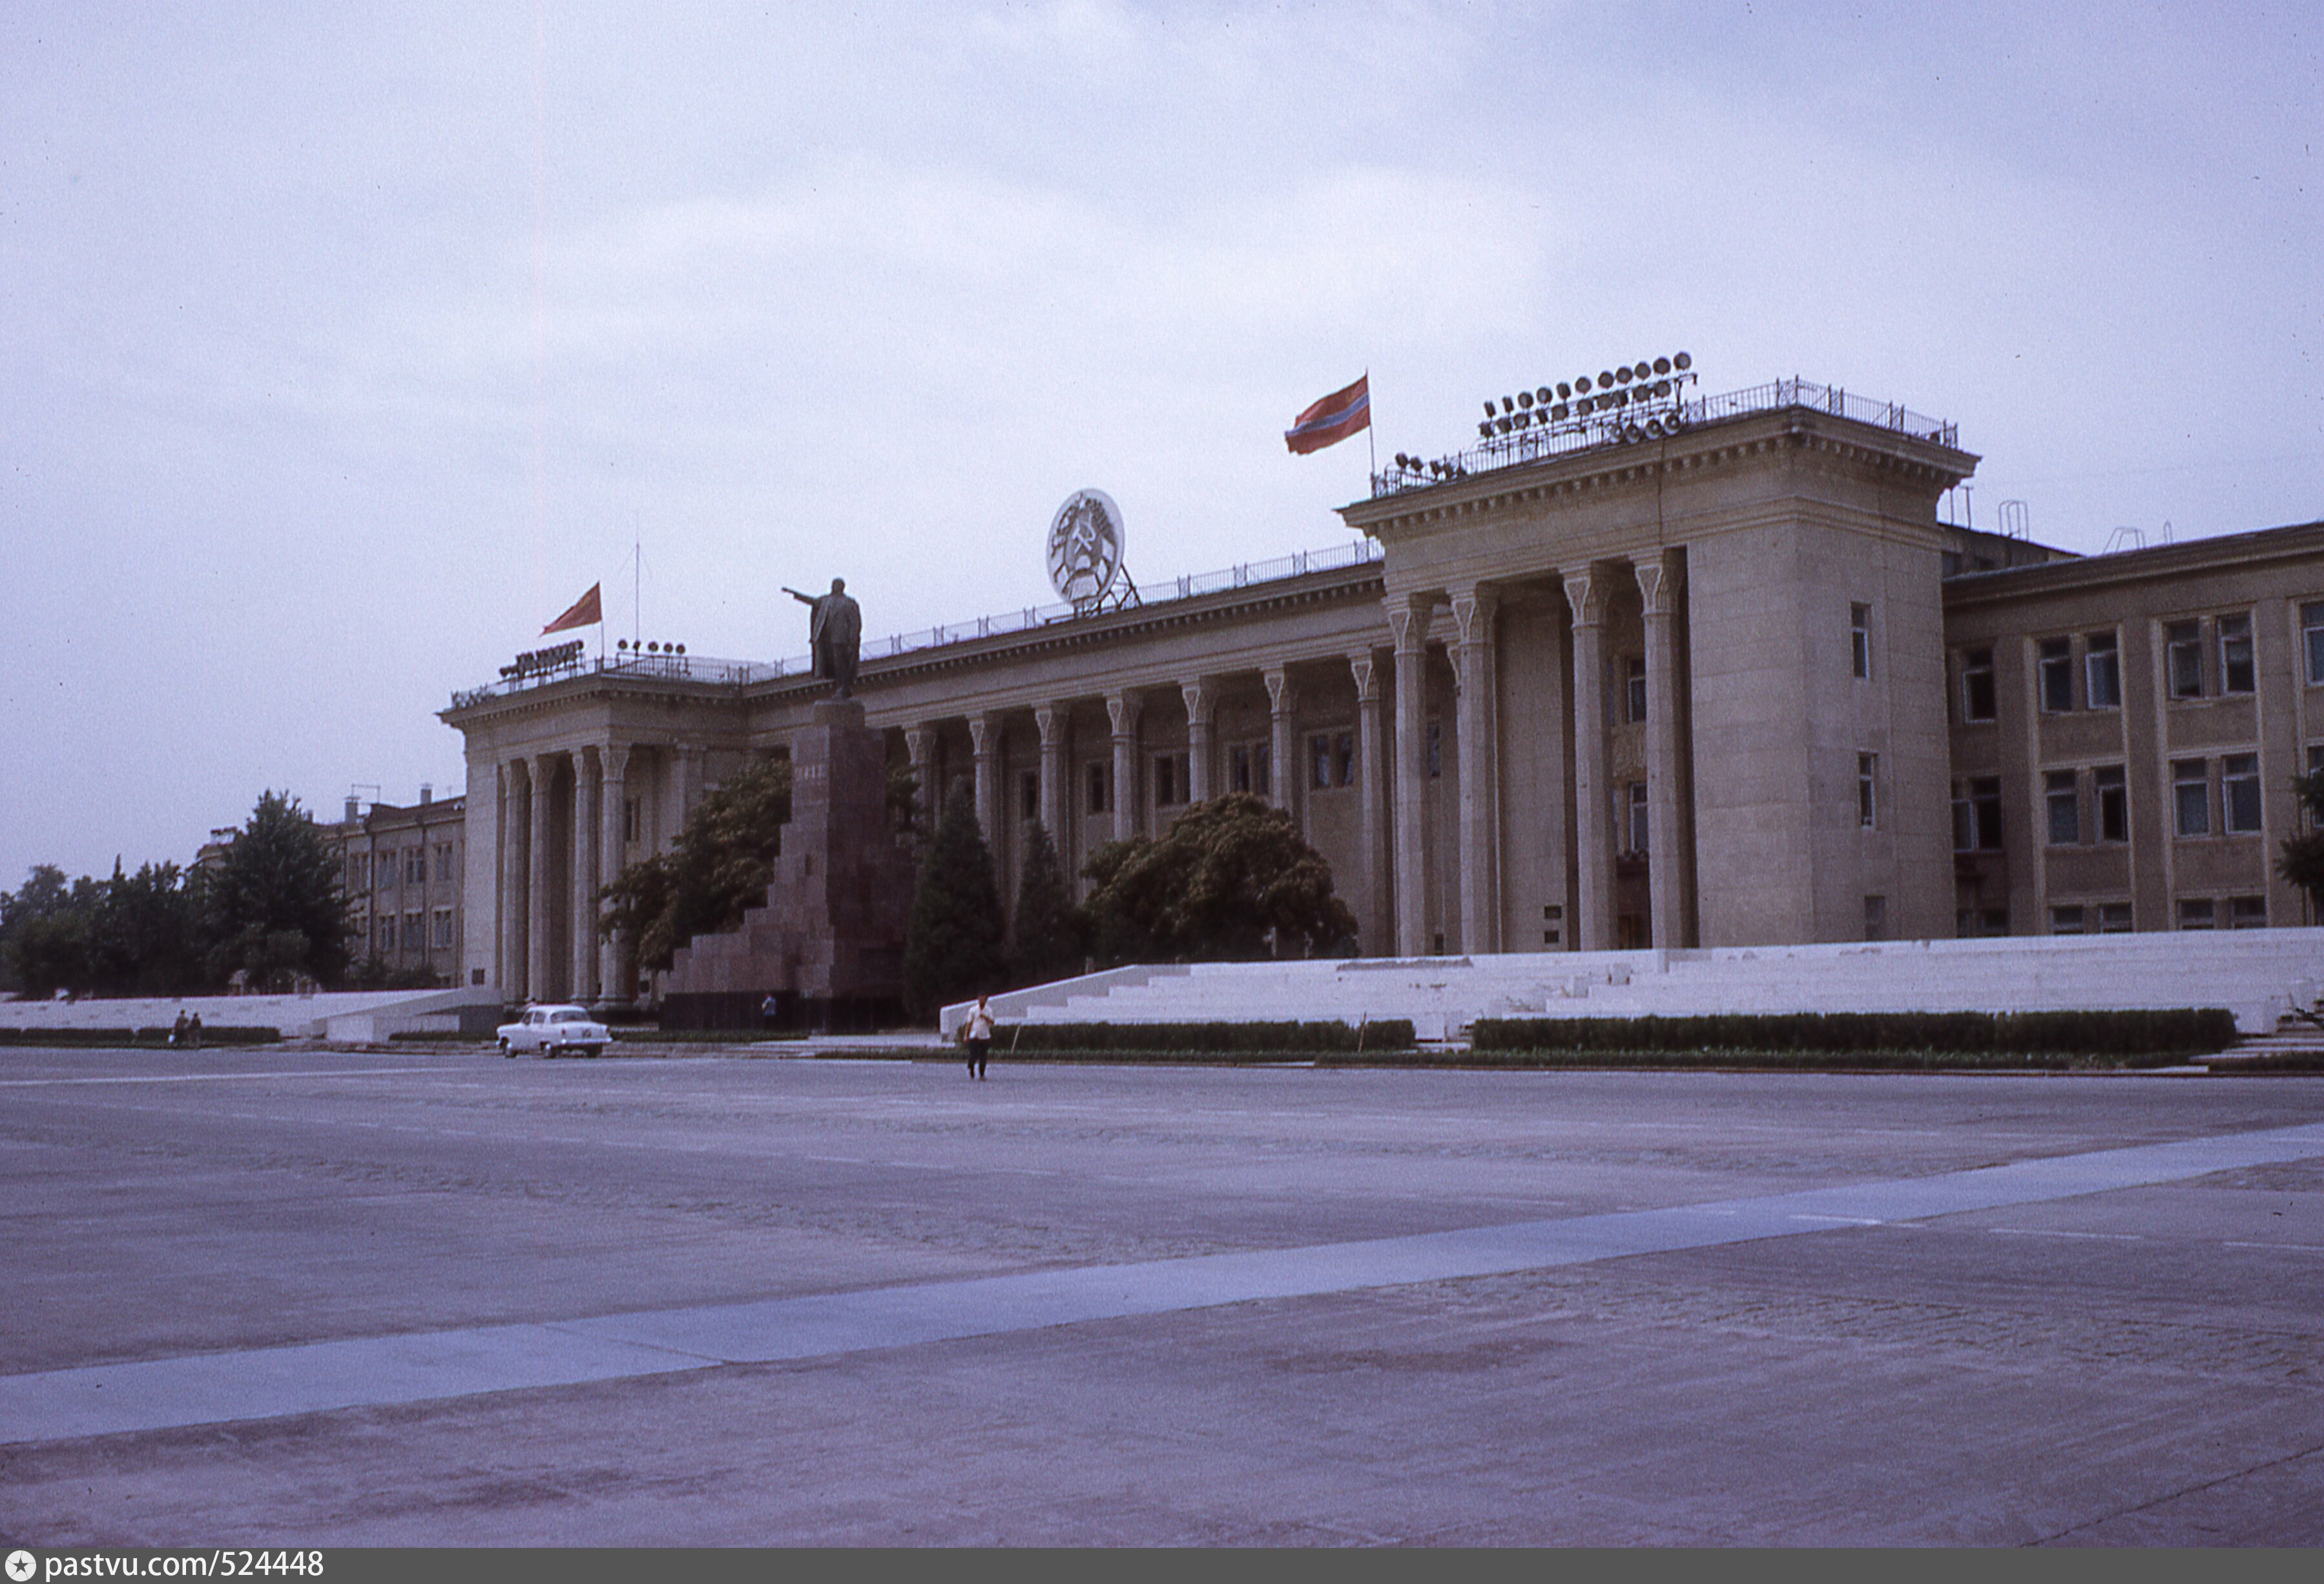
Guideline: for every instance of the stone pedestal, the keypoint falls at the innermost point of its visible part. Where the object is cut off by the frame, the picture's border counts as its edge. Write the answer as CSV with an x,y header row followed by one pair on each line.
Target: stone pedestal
x,y
828,942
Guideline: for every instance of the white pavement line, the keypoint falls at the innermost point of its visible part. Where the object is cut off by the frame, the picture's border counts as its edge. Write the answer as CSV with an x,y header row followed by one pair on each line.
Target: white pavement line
x,y
209,1077
161,1393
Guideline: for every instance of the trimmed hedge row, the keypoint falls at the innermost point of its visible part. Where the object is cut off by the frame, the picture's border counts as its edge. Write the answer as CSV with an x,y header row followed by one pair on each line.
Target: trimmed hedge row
x,y
1218,1039
2176,1031
212,1035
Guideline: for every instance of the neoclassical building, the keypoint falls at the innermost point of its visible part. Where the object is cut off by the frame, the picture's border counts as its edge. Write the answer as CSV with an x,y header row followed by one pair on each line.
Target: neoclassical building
x,y
1734,683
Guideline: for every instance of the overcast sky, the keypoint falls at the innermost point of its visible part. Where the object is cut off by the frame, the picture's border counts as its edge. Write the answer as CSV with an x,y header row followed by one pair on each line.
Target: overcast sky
x,y
340,352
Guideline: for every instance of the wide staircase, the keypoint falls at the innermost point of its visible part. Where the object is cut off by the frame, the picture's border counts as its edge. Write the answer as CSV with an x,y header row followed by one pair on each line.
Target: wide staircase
x,y
2259,975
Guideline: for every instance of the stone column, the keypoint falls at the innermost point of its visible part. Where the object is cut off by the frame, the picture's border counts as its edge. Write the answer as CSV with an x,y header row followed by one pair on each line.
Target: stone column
x,y
515,845
1122,710
919,743
984,738
1407,624
586,869
1593,815
689,785
1661,584
1201,748
538,984
613,854
1286,775
1478,727
1051,720
1375,916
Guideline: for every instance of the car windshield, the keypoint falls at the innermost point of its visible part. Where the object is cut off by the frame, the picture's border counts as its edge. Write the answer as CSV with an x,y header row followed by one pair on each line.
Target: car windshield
x,y
568,1017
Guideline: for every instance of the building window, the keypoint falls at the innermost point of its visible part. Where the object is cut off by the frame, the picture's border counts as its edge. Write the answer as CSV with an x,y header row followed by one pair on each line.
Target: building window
x,y
633,819
1028,794
1173,779
1997,921
2312,641
1977,814
362,925
2246,913
1876,918
2182,648
444,862
1096,782
2196,913
2057,674
2064,808
415,866
1344,751
2239,794
2113,803
1246,767
1553,918
1635,801
2102,671
1634,688
1435,748
386,932
443,926
356,871
1319,761
2235,674
2114,918
1859,640
412,939
1868,774
2065,921
1976,685
2190,797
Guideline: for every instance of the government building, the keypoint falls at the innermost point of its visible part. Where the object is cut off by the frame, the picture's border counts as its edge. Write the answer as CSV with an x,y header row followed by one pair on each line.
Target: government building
x,y
1721,680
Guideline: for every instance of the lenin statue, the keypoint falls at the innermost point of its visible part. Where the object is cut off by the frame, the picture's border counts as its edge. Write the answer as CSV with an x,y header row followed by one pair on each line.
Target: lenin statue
x,y
834,628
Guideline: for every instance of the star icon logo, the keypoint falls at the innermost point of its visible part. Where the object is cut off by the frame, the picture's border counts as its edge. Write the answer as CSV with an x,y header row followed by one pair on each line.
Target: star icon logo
x,y
21,1566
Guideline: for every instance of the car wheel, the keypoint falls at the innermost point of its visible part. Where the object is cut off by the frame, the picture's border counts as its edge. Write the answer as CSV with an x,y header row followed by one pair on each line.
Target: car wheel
x,y
593,1050
506,1052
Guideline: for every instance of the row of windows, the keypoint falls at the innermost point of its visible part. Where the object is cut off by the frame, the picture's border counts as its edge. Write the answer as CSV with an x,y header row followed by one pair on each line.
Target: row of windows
x,y
383,931
1331,762
2192,912
382,869
1977,804
2192,668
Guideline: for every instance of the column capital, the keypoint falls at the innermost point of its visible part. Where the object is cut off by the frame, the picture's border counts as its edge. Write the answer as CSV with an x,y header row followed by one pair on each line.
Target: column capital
x,y
917,741
1659,585
1365,667
1050,719
984,733
1587,592
1122,710
1282,698
1407,622
1473,612
1201,700
614,758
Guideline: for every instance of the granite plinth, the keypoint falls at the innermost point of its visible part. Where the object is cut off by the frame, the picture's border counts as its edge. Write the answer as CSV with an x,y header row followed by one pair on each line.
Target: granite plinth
x,y
828,940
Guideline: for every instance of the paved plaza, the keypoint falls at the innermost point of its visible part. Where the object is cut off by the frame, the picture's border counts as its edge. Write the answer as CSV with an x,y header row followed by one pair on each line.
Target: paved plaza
x,y
293,1297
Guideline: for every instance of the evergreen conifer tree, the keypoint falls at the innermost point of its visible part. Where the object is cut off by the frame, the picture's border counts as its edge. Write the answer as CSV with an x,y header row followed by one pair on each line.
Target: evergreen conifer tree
x,y
954,949
1047,944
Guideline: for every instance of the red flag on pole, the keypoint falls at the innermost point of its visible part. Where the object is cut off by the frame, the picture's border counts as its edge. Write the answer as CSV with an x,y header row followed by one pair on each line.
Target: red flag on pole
x,y
587,611
1332,419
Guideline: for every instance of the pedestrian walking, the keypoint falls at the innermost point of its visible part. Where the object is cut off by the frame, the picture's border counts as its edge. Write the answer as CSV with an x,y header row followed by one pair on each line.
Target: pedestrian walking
x,y
194,1030
979,1035
178,1031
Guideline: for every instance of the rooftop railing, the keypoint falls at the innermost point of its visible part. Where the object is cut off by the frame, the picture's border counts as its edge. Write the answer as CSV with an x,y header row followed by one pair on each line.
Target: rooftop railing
x,y
1619,427
679,668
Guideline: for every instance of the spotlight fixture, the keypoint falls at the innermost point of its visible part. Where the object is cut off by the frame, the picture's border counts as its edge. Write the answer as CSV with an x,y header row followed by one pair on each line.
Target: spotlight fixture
x,y
1525,400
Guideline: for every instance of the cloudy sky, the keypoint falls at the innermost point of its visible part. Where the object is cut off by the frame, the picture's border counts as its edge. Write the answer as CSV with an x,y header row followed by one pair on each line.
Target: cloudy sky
x,y
339,351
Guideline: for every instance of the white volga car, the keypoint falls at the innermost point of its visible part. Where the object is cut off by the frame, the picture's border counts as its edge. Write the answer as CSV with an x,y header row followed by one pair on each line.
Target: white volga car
x,y
555,1031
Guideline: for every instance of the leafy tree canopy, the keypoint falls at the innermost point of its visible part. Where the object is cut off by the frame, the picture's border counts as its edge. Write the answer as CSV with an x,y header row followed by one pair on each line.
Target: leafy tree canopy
x,y
723,861
1047,939
1233,880
275,907
954,947
2301,859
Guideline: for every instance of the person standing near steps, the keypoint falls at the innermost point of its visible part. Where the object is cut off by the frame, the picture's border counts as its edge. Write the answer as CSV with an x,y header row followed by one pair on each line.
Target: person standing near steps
x,y
979,1035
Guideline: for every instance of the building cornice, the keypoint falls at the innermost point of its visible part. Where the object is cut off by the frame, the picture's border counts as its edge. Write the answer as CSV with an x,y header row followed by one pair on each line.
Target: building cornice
x,y
1797,431
2264,547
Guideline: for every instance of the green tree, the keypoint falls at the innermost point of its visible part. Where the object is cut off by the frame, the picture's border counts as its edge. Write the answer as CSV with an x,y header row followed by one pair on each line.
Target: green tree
x,y
275,907
2301,859
723,861
1233,880
1047,944
145,938
954,947
28,940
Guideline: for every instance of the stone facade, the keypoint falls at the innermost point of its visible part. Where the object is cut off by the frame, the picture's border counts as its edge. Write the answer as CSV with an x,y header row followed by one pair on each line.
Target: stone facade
x,y
402,871
1702,691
